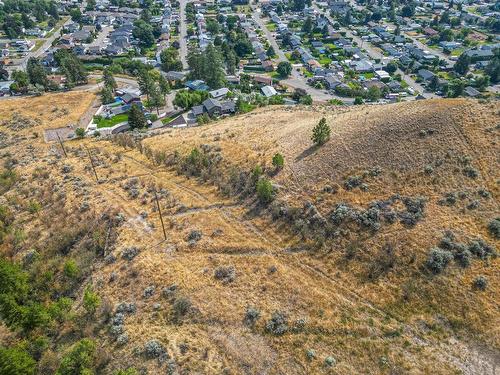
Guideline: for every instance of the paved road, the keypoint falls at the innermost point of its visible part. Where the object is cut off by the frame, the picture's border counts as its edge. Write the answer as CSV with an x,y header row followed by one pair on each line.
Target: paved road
x,y
183,50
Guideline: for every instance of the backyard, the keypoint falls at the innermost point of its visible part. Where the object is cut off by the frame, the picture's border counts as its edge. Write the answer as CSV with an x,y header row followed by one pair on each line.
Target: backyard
x,y
102,122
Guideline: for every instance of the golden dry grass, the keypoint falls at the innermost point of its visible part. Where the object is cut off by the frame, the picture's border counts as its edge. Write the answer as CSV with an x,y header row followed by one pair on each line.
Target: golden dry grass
x,y
442,326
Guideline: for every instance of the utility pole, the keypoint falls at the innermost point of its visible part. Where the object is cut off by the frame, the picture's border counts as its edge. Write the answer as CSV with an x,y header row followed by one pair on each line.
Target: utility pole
x,y
92,164
161,217
61,143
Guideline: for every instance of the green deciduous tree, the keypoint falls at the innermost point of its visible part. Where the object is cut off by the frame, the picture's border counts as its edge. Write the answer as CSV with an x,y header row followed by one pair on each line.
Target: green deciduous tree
x,y
36,72
321,133
170,61
284,69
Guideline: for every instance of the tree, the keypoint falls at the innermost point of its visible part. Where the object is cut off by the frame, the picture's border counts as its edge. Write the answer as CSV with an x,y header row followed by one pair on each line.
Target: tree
x,y
358,100
271,52
278,161
146,82
109,80
284,69
107,95
307,26
76,15
80,132
15,361
434,83
456,88
306,100
493,67
36,72
91,300
12,26
164,86
391,67
21,81
207,66
136,118
144,33
374,93
79,360
169,58
156,99
265,191
321,133
72,68
408,10
462,64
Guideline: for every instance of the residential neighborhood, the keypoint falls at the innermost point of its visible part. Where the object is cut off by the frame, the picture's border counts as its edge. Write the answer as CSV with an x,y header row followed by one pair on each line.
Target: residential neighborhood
x,y
218,58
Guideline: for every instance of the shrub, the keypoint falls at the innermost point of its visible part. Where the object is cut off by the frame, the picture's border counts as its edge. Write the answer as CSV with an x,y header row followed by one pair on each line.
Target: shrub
x,y
225,274
278,324
181,308
70,269
330,361
278,161
463,256
480,282
321,133
481,249
153,349
91,300
438,259
265,191
311,354
494,227
79,359
14,361
251,316
470,172
80,132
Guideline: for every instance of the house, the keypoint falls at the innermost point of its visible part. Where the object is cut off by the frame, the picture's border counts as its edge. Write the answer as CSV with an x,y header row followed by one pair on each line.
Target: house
x,y
197,85
219,93
262,80
174,76
212,107
268,91
81,35
268,65
381,74
130,97
362,66
471,91
425,74
331,82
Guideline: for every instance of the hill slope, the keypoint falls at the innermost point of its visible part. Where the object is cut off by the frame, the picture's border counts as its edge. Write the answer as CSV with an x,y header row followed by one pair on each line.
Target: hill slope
x,y
321,280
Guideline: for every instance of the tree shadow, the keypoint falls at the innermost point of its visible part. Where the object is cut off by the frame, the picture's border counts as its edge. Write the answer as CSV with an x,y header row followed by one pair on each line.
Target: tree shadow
x,y
307,152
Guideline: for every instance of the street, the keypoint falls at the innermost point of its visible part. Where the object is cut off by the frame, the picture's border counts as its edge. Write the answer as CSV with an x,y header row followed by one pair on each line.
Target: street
x,y
183,50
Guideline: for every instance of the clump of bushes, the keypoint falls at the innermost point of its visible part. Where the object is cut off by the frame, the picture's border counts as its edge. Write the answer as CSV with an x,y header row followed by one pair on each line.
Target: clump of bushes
x,y
251,316
494,227
225,274
470,172
438,260
278,324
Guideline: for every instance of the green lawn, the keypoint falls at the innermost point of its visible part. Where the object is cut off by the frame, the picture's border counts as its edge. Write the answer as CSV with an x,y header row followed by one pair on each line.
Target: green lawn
x,y
109,122
324,60
271,26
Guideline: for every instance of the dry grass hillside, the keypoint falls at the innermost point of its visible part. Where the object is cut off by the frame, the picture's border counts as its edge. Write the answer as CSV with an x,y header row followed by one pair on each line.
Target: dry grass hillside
x,y
329,278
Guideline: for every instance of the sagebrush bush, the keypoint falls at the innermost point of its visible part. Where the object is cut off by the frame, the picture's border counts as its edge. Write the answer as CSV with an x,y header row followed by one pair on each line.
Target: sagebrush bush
x,y
438,260
251,316
278,324
494,227
481,282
